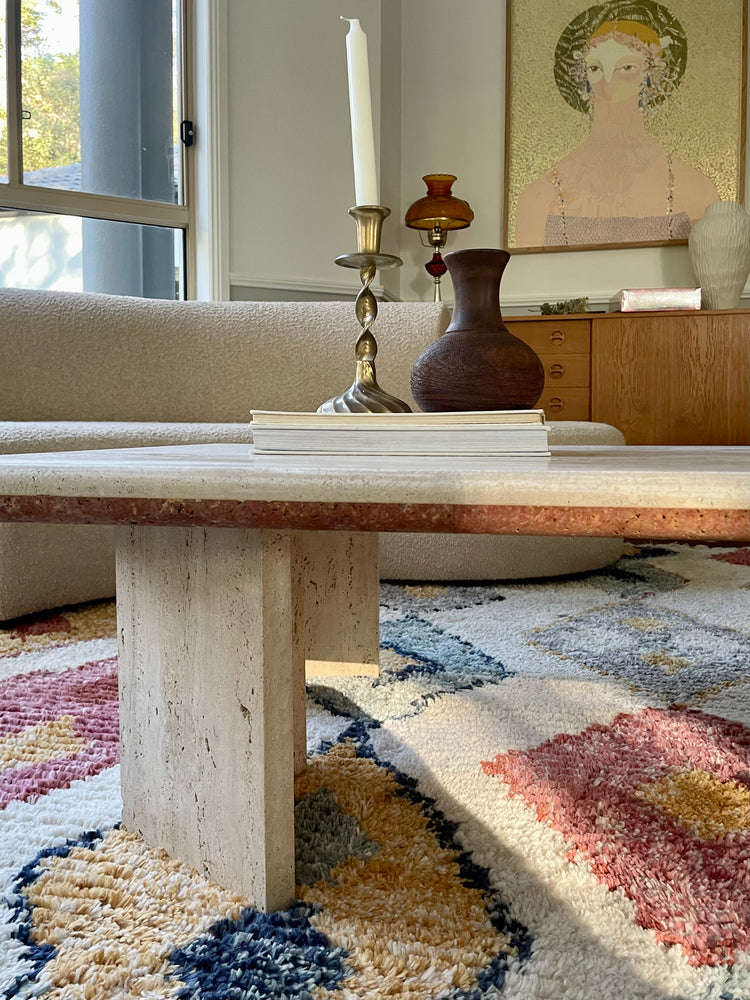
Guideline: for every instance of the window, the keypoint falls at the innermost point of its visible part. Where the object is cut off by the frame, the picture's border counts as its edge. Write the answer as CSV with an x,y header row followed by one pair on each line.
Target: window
x,y
93,146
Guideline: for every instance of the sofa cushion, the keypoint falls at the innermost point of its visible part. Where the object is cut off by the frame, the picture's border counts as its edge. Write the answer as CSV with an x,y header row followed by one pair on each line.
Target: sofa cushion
x,y
18,437
84,356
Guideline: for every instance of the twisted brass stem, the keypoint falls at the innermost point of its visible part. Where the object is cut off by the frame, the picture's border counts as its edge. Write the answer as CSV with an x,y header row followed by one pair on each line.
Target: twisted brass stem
x,y
365,395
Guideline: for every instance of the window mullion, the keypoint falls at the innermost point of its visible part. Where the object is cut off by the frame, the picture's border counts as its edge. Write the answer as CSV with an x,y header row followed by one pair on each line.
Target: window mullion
x,y
32,198
15,104
85,229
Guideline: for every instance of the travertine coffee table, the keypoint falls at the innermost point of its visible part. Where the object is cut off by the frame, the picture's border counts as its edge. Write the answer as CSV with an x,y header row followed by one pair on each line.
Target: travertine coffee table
x,y
233,570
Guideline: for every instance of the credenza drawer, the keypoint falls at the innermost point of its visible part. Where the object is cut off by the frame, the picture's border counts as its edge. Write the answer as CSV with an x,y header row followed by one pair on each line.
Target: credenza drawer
x,y
563,370
546,337
671,377
565,404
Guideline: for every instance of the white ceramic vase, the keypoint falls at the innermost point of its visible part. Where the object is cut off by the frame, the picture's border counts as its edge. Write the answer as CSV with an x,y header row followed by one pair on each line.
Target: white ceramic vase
x,y
719,246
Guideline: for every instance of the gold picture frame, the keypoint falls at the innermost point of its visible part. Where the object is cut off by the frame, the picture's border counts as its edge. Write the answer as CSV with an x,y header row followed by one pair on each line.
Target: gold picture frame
x,y
623,120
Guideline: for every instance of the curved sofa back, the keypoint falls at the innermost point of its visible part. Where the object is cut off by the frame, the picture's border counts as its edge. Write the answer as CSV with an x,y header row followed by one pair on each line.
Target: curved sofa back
x,y
86,356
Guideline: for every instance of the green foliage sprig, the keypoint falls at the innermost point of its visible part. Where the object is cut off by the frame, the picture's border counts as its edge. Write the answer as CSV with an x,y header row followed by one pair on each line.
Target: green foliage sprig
x,y
566,306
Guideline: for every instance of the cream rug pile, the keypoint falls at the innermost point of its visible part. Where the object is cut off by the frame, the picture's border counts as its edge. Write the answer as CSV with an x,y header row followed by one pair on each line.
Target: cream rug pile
x,y
545,796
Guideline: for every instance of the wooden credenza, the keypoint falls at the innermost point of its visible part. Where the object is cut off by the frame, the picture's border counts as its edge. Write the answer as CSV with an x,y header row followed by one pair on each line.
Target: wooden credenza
x,y
660,377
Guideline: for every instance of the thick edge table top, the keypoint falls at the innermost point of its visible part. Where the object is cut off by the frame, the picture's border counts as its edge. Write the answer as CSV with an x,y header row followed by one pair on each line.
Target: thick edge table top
x,y
677,492
590,474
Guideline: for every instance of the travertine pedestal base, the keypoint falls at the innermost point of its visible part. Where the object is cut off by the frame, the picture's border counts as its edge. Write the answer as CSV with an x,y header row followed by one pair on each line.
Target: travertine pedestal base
x,y
214,628
337,613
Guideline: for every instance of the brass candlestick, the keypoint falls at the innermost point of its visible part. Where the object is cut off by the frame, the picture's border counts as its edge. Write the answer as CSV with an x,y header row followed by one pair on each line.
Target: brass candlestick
x,y
365,395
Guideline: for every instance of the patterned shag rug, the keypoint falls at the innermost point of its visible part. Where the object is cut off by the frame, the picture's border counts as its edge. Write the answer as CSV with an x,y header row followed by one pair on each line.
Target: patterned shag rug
x,y
545,796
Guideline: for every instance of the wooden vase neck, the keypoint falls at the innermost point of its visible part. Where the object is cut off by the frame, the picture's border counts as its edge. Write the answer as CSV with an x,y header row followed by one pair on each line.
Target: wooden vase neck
x,y
476,276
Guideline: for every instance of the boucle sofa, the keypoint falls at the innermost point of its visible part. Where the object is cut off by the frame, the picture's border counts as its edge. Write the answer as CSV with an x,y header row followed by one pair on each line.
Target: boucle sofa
x,y
83,370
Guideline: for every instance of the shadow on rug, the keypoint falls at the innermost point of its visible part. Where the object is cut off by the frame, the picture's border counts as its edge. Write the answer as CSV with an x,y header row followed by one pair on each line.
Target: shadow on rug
x,y
544,796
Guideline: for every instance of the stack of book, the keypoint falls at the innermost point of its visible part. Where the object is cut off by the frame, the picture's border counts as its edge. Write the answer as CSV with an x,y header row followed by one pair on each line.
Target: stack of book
x,y
466,433
637,299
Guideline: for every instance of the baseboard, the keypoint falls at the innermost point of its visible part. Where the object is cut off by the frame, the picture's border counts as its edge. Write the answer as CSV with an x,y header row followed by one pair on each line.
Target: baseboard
x,y
300,288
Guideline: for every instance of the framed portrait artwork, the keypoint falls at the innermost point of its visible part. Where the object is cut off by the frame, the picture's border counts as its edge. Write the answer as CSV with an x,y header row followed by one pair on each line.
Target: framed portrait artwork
x,y
623,121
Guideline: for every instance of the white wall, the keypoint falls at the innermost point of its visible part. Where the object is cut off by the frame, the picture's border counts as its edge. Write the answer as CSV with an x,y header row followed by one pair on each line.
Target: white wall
x,y
439,67
291,179
453,73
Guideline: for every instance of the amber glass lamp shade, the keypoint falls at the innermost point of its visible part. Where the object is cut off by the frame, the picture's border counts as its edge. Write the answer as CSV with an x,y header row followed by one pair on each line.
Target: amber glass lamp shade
x,y
436,214
439,207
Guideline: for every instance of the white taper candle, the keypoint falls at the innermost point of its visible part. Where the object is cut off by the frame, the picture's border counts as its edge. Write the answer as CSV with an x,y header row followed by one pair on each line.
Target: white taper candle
x,y
360,108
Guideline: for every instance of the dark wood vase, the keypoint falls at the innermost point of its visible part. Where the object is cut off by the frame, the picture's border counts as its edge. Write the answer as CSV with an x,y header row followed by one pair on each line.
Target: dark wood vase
x,y
478,364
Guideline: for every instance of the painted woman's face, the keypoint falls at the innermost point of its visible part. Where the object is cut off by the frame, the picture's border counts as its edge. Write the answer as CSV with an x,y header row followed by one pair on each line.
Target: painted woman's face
x,y
614,71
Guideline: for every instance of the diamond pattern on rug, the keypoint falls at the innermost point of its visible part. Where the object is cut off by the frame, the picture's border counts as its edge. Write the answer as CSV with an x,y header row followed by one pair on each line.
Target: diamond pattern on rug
x,y
436,651
437,596
738,557
420,662
396,908
669,654
100,917
701,803
633,576
657,804
325,837
260,955
57,728
53,628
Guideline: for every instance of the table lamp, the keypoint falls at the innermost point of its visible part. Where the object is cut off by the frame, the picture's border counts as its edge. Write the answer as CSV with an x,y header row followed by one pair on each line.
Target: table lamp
x,y
434,215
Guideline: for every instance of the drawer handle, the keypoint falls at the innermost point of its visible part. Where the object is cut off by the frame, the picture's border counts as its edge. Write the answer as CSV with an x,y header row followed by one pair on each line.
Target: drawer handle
x,y
556,403
557,337
556,371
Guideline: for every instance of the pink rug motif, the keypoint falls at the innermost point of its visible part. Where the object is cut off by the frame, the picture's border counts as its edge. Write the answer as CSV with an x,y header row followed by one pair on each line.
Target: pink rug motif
x,y
58,728
658,804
